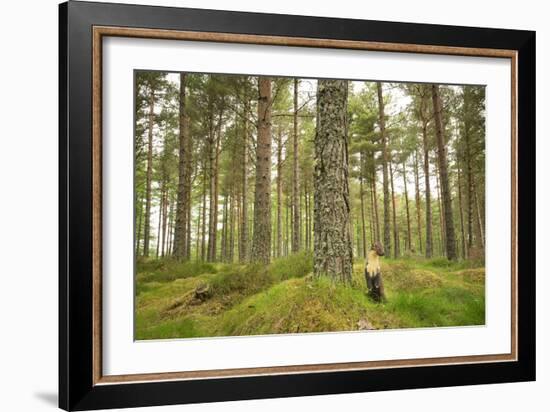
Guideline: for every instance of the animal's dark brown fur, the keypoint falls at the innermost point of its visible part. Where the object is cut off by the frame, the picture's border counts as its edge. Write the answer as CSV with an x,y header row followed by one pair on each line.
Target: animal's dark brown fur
x,y
373,274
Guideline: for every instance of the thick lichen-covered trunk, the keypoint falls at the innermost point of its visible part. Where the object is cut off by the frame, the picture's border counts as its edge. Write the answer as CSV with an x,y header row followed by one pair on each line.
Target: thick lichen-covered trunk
x,y
333,254
261,240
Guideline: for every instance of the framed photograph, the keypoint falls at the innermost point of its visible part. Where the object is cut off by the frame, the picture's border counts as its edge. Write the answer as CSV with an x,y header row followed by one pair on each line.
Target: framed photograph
x,y
257,205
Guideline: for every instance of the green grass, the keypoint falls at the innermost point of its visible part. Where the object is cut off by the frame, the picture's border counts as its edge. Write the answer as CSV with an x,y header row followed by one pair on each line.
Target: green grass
x,y
283,298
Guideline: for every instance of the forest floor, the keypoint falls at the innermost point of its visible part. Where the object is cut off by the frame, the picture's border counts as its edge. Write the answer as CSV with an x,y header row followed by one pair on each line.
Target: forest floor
x,y
284,298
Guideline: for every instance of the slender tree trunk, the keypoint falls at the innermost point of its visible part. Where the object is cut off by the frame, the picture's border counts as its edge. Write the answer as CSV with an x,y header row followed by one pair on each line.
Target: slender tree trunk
x,y
394,216
223,251
372,224
385,160
279,196
287,226
243,245
479,221
138,231
203,231
306,205
164,221
169,239
197,246
441,219
469,172
333,254
446,192
361,194
409,236
232,226
159,227
463,243
426,149
261,241
181,206
375,206
295,177
147,228
417,199
214,172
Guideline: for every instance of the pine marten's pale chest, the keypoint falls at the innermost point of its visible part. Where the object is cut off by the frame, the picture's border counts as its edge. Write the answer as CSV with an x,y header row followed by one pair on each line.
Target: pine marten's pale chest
x,y
373,263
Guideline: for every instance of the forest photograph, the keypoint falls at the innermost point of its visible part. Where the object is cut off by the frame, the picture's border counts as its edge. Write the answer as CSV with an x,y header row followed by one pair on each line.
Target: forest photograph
x,y
276,205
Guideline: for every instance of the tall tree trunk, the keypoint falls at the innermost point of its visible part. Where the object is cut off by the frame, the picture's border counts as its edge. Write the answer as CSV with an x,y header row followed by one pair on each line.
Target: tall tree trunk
x,y
394,216
223,251
464,241
479,221
203,231
469,172
288,212
409,236
198,234
333,254
164,221
295,178
243,245
279,195
426,149
385,160
370,214
214,179
181,205
417,200
261,241
138,231
441,218
306,205
149,179
231,226
169,239
446,192
375,206
362,195
159,235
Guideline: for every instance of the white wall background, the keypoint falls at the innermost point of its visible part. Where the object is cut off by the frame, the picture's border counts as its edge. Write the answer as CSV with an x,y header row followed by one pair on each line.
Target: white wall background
x,y
28,205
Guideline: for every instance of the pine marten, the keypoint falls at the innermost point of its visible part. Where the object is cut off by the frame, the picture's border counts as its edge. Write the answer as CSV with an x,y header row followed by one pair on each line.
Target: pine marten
x,y
373,275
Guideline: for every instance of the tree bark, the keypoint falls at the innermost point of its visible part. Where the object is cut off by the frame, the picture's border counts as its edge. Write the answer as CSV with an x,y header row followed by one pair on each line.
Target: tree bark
x,y
446,193
333,254
375,206
261,240
138,231
426,149
409,236
243,245
295,178
279,182
203,231
463,243
417,200
361,194
147,225
181,203
385,160
396,250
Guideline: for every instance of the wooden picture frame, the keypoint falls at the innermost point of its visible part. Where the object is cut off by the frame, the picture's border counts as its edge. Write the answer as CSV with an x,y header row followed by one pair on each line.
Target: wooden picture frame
x,y
82,385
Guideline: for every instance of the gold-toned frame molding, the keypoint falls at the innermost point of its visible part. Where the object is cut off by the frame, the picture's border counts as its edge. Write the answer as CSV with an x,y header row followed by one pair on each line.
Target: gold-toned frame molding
x,y
102,31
